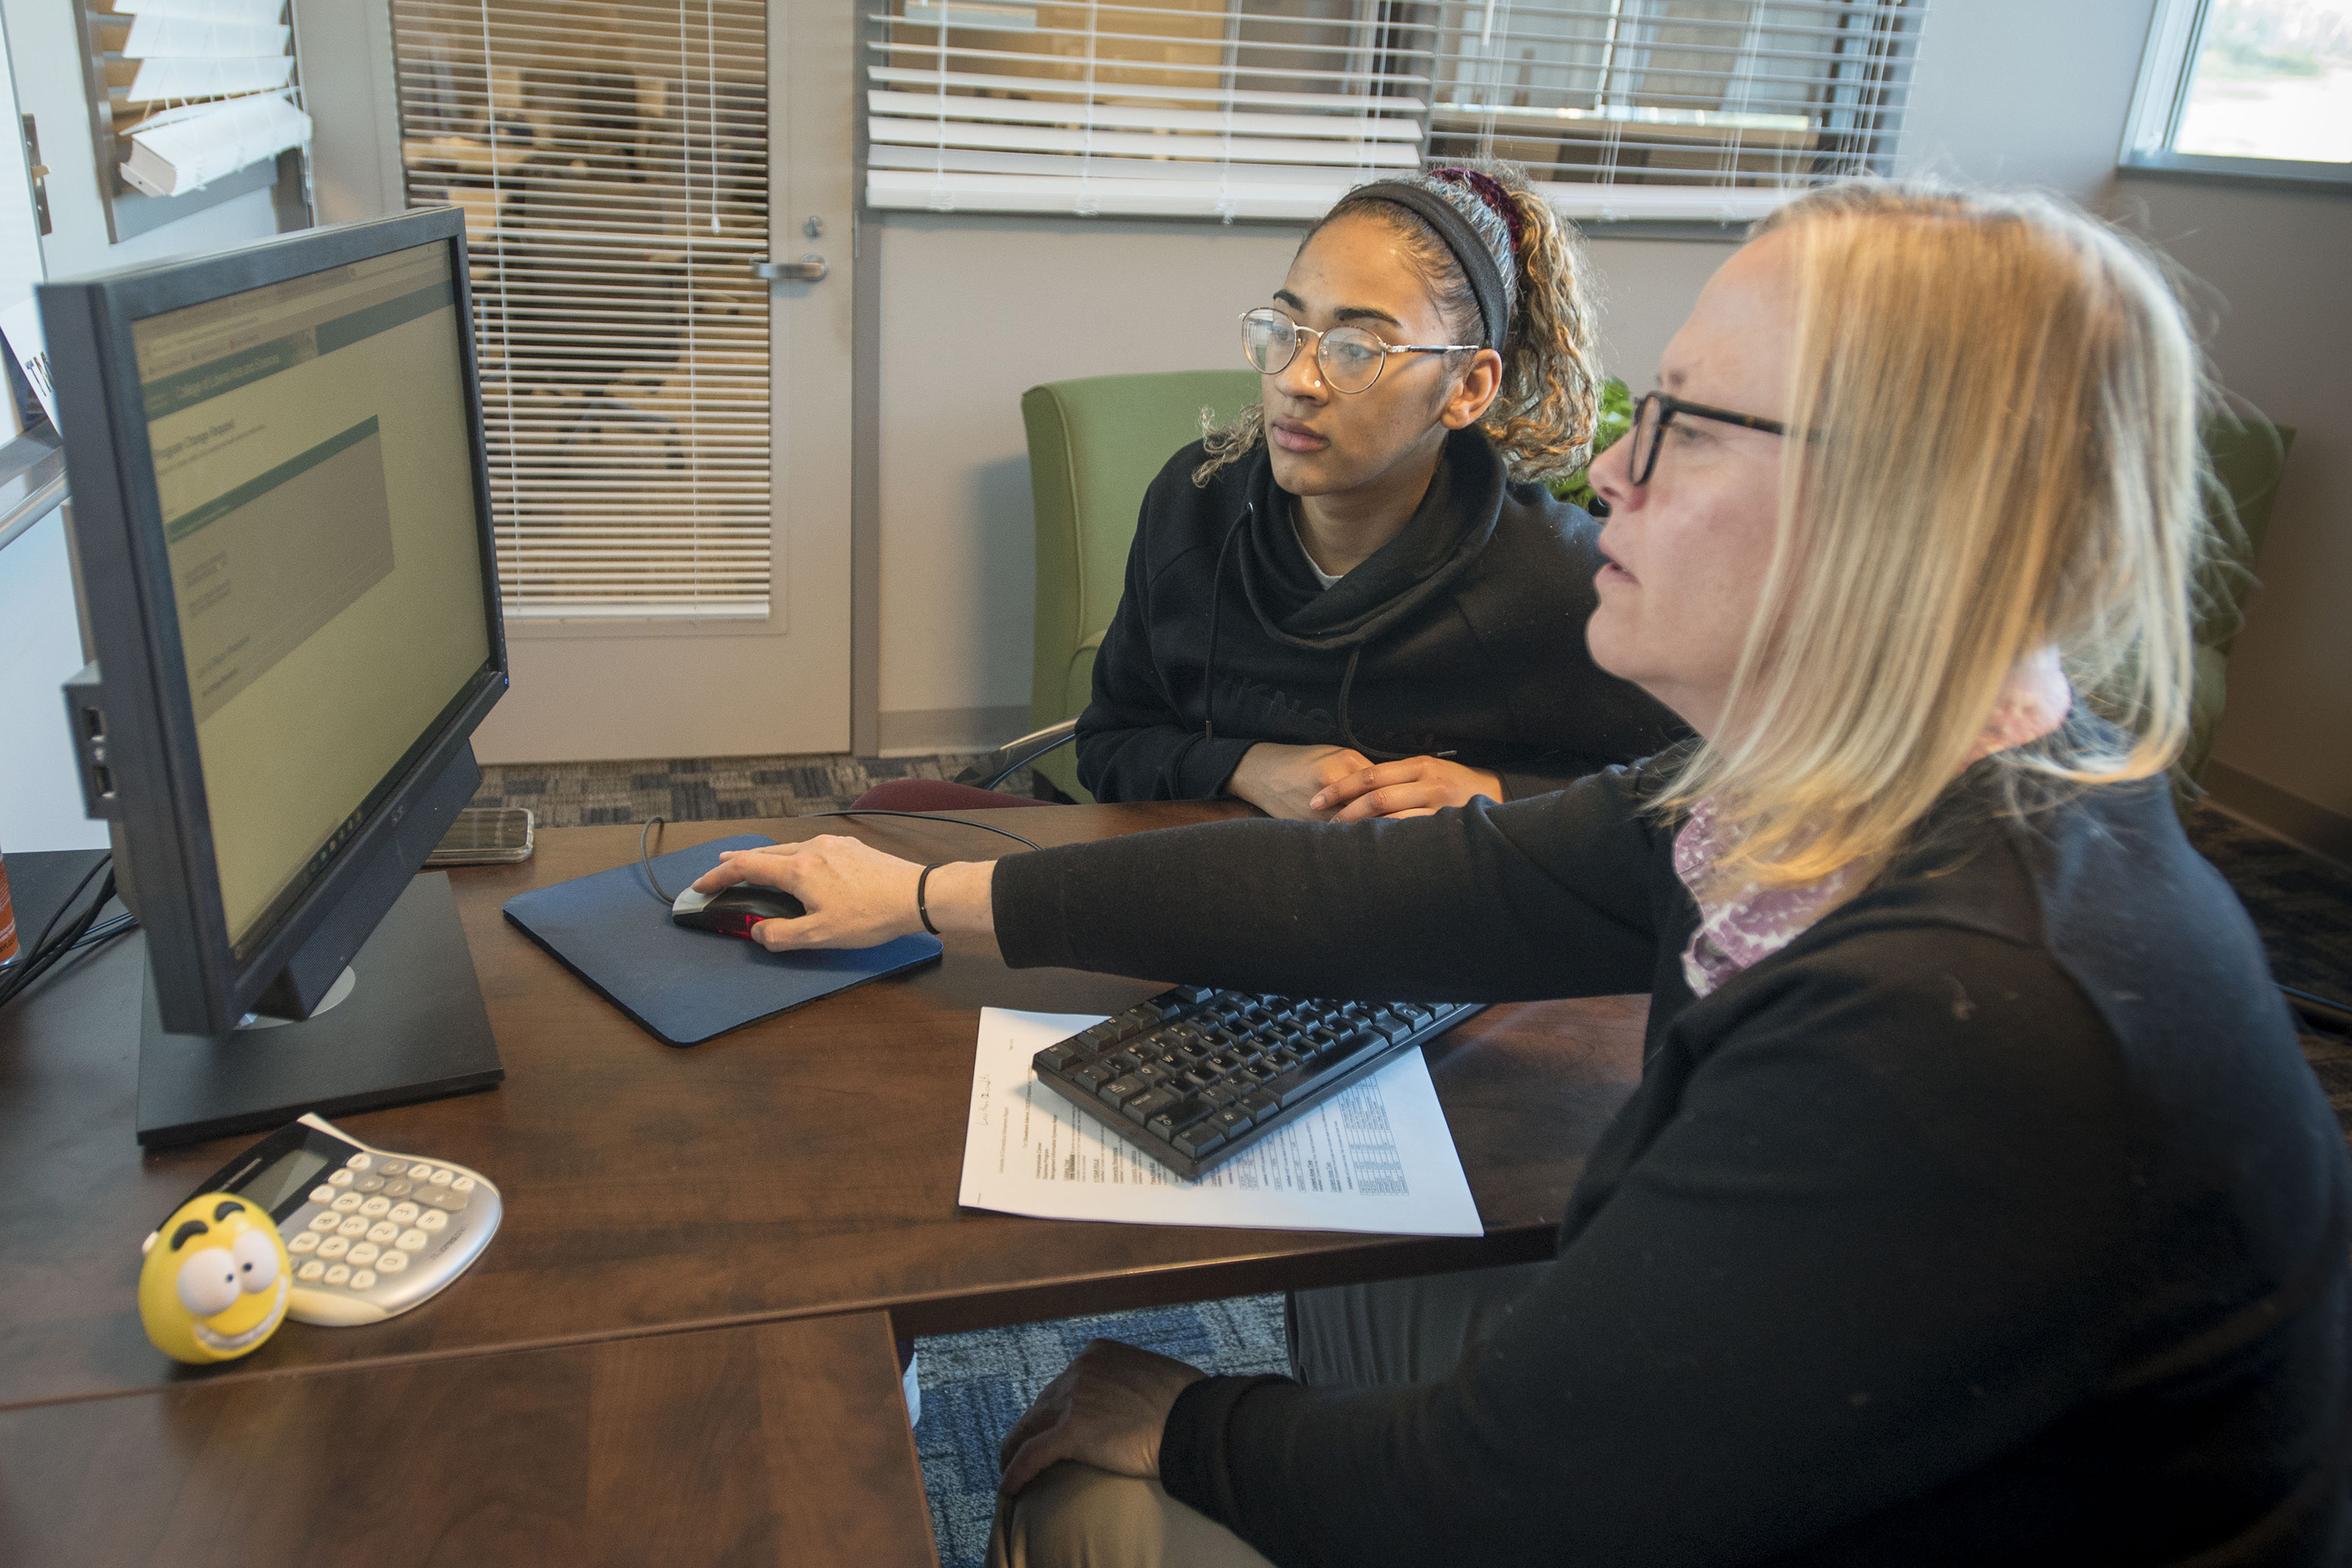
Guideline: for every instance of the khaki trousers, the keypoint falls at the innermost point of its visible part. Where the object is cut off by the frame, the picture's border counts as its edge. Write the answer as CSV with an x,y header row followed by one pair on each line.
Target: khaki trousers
x,y
1398,1331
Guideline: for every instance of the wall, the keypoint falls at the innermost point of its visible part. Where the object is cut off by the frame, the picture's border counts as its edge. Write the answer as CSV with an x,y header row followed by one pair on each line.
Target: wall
x,y
2282,339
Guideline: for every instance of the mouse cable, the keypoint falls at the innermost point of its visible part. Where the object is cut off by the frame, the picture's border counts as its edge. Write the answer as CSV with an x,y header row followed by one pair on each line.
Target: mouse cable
x,y
646,838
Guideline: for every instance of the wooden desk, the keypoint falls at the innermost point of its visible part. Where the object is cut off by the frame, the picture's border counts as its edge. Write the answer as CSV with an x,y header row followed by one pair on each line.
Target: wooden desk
x,y
800,1168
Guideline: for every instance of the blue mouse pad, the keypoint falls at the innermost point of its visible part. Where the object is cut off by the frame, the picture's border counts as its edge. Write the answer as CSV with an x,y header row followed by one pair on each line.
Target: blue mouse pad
x,y
685,986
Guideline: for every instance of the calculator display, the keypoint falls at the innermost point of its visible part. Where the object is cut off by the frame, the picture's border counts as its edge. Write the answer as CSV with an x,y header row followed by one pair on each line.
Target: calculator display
x,y
288,1174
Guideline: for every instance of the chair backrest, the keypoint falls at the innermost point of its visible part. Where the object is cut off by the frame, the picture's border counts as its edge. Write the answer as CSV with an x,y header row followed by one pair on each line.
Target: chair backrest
x,y
2247,457
1094,447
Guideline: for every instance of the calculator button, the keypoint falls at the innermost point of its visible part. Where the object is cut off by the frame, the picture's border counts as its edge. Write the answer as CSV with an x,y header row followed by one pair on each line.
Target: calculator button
x,y
431,1220
305,1242
462,1184
393,1167
403,1214
310,1270
340,1179
370,1183
366,1252
338,1273
361,1162
376,1207
352,1225
324,1222
411,1240
383,1231
364,1279
334,1247
322,1195
348,1202
391,1263
454,1201
437,1196
442,1178
399,1187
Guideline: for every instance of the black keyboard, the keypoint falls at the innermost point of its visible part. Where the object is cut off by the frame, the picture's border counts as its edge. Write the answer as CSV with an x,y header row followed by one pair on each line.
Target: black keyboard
x,y
1194,1076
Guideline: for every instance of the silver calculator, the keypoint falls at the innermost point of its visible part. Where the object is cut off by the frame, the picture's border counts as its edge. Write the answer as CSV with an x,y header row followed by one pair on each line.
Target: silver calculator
x,y
370,1233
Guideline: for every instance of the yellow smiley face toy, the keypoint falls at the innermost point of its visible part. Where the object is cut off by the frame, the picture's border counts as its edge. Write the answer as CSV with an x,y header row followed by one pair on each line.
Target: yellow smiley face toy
x,y
215,1280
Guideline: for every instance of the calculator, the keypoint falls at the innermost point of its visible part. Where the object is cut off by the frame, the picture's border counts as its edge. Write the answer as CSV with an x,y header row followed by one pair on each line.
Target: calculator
x,y
368,1233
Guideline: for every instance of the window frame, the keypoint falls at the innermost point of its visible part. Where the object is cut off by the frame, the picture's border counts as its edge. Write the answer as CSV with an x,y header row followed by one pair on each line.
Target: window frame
x,y
2175,35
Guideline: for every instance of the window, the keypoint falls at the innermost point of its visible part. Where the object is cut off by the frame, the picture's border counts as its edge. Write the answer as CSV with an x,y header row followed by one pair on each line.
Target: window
x,y
2246,88
1674,109
613,164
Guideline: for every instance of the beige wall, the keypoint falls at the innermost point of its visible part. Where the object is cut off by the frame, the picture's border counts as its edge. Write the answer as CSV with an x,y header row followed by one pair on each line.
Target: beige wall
x,y
2280,337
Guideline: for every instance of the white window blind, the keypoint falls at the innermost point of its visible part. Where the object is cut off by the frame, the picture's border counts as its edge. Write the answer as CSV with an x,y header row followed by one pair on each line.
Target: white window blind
x,y
1706,109
1711,108
1197,108
195,88
612,163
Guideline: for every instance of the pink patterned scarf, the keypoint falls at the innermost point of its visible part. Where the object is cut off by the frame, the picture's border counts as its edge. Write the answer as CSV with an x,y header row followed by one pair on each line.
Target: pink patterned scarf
x,y
1755,923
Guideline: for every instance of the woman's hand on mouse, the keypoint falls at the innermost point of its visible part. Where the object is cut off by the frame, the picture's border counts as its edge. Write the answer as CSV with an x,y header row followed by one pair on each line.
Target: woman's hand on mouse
x,y
1414,787
855,895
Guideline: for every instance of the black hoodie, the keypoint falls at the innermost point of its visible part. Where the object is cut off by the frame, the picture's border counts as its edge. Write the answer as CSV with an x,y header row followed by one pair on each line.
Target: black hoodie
x,y
1465,635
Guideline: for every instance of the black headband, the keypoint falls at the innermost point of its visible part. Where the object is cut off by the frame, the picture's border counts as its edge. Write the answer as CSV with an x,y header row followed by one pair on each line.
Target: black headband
x,y
1463,240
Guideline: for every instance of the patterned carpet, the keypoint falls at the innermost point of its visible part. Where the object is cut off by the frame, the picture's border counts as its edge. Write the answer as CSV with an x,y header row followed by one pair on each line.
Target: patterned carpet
x,y
975,1385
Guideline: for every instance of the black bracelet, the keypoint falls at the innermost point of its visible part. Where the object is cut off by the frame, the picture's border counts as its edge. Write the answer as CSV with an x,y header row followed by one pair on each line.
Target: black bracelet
x,y
920,908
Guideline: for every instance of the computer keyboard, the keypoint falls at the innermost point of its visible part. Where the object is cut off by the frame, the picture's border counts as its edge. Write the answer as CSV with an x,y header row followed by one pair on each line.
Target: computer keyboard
x,y
1195,1076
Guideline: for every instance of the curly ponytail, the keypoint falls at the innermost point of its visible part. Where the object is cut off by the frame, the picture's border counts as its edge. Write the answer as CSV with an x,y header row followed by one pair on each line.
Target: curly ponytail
x,y
1542,418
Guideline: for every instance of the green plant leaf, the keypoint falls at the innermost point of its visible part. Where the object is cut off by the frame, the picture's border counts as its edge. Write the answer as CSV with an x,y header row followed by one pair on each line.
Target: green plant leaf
x,y
1615,417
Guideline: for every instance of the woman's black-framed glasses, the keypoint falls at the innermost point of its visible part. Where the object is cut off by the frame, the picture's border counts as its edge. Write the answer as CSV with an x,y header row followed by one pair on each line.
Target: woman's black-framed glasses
x,y
1656,410
1349,358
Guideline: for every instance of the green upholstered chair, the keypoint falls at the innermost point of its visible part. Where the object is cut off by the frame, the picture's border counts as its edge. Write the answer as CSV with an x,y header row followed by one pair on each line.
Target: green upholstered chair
x,y
1093,447
2247,457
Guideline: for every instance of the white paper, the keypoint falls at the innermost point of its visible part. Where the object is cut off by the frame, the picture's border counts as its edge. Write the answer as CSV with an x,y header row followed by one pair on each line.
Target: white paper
x,y
21,325
1378,1158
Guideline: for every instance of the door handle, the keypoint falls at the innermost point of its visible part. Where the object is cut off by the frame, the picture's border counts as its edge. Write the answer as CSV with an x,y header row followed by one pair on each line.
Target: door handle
x,y
809,268
40,172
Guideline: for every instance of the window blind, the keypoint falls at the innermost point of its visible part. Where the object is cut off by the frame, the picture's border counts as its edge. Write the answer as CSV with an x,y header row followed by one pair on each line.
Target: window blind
x,y
1706,109
1679,109
194,88
1197,108
613,164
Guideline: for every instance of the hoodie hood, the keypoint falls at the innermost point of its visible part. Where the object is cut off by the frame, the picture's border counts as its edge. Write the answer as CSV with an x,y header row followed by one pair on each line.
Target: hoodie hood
x,y
1441,541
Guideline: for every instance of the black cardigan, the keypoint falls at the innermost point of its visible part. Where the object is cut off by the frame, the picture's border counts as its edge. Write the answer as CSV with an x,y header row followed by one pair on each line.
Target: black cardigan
x,y
1997,1218
1463,634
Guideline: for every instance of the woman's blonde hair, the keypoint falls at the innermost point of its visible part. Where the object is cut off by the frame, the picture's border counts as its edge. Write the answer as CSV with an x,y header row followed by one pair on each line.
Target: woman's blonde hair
x,y
1542,417
1996,402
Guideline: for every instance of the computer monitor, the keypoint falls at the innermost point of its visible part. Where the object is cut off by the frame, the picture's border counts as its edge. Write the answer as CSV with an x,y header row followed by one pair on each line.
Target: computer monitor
x,y
282,523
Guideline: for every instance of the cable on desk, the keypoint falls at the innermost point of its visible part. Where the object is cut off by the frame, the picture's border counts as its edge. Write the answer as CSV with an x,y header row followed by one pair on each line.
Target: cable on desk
x,y
646,837
61,936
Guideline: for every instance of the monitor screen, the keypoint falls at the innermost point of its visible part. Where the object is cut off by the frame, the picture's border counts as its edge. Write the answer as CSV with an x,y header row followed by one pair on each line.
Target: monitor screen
x,y
312,459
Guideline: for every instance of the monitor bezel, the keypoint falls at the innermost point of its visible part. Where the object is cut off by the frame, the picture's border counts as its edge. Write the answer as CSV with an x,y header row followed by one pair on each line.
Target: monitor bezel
x,y
124,557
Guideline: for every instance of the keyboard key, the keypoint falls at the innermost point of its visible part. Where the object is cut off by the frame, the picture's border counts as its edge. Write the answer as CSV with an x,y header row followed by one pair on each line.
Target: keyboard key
x,y
1149,1104
1198,1140
1156,1073
1055,1058
1232,1119
1125,1061
1390,1026
1192,993
1094,1074
1179,1116
1119,1091
1262,1104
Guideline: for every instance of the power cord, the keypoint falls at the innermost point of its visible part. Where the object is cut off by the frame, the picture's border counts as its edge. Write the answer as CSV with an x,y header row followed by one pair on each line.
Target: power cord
x,y
62,935
648,838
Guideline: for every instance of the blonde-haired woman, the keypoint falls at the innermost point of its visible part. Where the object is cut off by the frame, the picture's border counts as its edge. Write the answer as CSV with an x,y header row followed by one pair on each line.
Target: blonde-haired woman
x,y
1975,1204
1361,584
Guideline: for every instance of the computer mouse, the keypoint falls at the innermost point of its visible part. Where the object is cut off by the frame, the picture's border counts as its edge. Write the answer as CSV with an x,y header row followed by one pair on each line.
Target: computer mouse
x,y
734,911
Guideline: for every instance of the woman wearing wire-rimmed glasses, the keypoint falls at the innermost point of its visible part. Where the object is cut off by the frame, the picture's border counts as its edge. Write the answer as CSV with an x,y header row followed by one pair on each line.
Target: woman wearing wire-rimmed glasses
x,y
1353,601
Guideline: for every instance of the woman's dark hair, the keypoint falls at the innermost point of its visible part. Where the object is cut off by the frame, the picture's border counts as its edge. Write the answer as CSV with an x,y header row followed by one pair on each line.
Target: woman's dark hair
x,y
1541,420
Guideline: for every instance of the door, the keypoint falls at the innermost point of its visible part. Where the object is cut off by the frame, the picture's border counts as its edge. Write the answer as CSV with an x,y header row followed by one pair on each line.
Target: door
x,y
669,431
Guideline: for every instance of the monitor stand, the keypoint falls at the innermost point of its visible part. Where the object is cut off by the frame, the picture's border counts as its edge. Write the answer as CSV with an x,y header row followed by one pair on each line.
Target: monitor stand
x,y
412,1027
